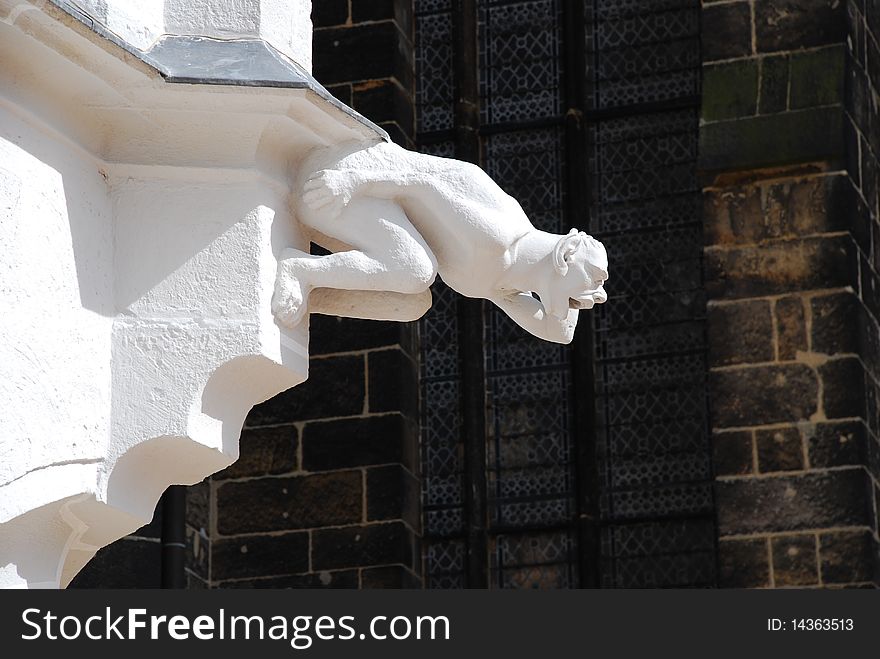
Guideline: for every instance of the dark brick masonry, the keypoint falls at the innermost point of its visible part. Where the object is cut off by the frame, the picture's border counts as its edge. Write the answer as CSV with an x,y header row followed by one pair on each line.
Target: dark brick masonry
x,y
788,148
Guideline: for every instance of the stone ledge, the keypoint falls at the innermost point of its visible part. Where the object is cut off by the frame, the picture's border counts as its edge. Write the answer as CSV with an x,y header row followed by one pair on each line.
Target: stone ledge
x,y
772,140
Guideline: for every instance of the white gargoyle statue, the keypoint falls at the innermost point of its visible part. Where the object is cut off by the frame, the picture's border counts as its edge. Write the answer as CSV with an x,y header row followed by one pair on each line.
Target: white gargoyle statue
x,y
400,218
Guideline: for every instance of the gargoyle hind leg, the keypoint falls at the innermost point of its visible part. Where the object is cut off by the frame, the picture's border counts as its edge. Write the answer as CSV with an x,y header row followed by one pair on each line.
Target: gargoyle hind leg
x,y
389,255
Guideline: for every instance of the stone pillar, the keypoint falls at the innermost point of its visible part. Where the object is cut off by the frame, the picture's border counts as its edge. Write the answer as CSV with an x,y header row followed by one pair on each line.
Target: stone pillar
x,y
789,147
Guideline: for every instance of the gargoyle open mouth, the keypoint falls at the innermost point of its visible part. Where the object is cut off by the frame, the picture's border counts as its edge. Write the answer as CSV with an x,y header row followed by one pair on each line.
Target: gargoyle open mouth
x,y
588,300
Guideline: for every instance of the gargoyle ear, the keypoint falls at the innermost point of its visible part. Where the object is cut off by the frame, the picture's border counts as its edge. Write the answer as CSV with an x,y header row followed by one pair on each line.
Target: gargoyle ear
x,y
564,250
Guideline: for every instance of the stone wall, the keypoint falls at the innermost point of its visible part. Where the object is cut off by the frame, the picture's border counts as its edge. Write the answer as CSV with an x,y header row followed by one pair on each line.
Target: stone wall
x,y
326,492
363,52
789,141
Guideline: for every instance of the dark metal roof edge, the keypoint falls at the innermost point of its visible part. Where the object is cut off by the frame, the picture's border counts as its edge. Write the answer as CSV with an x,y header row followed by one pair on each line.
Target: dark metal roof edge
x,y
298,77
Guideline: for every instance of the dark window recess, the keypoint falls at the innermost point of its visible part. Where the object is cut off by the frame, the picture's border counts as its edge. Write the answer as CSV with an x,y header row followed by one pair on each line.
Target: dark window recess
x,y
656,508
597,457
528,484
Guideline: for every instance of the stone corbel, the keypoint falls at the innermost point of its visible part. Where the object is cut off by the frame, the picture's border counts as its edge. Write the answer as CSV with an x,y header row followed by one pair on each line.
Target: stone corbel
x,y
398,218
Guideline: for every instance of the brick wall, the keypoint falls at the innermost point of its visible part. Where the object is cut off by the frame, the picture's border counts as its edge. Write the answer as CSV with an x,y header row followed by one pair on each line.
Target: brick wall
x,y
363,54
789,140
326,492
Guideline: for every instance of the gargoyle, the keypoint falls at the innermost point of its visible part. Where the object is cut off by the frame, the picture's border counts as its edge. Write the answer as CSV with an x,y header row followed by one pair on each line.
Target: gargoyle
x,y
402,217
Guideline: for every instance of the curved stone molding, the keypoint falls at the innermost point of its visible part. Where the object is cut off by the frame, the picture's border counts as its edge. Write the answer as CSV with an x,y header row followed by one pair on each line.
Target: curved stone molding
x,y
405,217
139,337
143,212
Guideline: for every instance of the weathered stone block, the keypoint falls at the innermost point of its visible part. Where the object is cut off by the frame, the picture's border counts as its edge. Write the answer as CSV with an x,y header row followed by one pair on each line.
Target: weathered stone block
x,y
779,449
838,444
198,553
383,101
759,212
762,394
732,453
774,84
791,503
326,579
790,208
781,267
380,10
264,451
378,54
727,31
260,555
276,504
817,77
837,322
849,557
857,94
773,140
740,333
393,493
730,90
371,545
373,440
198,504
870,291
330,334
328,12
393,383
743,563
791,328
843,388
335,388
794,24
794,560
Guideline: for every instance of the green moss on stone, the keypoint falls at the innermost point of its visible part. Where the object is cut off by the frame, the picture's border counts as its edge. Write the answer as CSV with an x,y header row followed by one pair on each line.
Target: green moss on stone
x,y
774,84
730,90
817,78
776,139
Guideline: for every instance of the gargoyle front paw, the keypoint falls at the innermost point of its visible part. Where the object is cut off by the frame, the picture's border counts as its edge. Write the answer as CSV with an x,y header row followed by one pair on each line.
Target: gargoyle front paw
x,y
289,299
326,191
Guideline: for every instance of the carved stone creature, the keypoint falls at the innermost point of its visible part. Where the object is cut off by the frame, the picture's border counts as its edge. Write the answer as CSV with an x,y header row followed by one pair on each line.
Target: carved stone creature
x,y
397,218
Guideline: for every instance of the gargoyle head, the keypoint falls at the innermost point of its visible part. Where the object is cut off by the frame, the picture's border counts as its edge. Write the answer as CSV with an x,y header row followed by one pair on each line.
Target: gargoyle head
x,y
582,267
